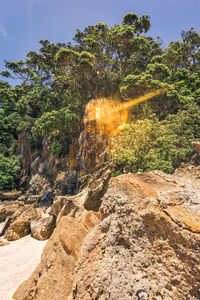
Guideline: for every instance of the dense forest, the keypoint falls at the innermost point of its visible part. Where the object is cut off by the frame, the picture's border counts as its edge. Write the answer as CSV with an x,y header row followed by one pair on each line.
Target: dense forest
x,y
120,61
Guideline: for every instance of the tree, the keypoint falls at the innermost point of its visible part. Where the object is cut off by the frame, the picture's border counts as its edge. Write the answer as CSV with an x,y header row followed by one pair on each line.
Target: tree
x,y
151,144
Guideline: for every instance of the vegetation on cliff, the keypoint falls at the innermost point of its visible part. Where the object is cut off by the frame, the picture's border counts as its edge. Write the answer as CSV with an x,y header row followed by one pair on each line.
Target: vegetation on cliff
x,y
119,61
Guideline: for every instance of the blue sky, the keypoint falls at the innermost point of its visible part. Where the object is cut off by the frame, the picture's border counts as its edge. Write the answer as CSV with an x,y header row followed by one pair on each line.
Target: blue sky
x,y
24,22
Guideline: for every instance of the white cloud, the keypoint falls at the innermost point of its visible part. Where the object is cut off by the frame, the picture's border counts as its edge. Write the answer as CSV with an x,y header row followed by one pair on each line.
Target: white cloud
x,y
3,32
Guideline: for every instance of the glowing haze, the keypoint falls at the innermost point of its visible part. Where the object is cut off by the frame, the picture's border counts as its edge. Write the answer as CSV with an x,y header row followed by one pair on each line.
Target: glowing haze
x,y
110,115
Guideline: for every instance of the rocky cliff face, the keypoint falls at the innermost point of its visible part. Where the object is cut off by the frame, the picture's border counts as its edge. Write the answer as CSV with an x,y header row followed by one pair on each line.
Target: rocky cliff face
x,y
130,237
73,171
143,243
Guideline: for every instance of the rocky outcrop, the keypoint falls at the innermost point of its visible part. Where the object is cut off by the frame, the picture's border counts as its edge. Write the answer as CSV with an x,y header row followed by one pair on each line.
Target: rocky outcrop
x,y
88,199
91,219
53,277
132,237
42,227
37,185
13,195
143,243
143,248
20,223
37,161
8,208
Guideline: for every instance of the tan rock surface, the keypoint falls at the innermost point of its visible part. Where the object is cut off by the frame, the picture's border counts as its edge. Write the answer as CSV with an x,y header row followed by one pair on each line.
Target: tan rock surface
x,y
13,195
7,208
91,219
147,245
21,226
3,242
53,277
42,227
139,251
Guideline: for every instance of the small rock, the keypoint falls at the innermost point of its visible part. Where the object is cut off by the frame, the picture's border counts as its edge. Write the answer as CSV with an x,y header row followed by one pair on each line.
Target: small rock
x,y
33,199
42,227
3,242
142,295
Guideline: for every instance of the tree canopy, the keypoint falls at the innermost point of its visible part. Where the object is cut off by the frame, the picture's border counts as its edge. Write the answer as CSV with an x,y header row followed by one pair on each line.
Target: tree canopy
x,y
118,61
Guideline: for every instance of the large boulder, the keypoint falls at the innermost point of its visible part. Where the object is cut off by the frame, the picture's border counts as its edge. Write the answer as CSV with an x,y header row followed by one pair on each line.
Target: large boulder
x,y
21,225
143,243
42,227
53,277
145,247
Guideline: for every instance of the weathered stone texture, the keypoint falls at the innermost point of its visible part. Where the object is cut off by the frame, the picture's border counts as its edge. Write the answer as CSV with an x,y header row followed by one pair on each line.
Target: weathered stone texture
x,y
139,251
53,277
42,227
142,243
21,225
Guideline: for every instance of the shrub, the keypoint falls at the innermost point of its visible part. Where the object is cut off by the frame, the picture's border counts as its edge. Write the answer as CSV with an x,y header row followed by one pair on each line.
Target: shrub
x,y
9,172
151,144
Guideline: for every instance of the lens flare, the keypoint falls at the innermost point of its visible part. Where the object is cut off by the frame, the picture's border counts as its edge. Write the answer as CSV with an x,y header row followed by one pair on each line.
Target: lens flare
x,y
109,115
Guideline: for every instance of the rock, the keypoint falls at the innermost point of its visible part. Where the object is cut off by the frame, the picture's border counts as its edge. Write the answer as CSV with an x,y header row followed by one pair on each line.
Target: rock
x,y
21,226
197,147
53,277
47,198
91,219
37,184
196,157
97,188
139,250
42,228
32,199
71,184
11,219
142,295
63,206
3,242
8,208
13,195
88,199
35,165
142,242
21,199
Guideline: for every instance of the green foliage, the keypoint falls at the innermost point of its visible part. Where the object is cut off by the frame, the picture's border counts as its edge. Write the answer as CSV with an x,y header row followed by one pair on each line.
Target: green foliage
x,y
118,61
151,144
9,172
54,123
56,148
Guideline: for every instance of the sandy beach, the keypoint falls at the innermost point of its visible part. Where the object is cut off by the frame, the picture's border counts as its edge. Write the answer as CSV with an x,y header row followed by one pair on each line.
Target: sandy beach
x,y
17,261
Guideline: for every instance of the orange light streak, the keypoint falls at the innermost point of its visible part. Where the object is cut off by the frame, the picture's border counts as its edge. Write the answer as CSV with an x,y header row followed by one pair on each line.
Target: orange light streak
x,y
110,115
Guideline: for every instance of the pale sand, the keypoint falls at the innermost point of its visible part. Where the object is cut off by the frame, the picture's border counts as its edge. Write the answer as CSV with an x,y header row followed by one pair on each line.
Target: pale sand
x,y
17,262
